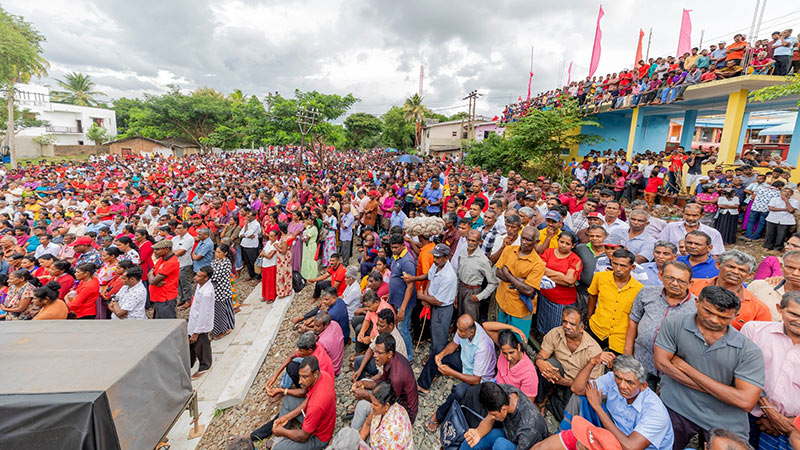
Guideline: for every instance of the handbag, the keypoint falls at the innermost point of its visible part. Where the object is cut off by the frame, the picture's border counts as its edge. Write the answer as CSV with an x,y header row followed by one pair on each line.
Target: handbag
x,y
454,425
257,265
298,282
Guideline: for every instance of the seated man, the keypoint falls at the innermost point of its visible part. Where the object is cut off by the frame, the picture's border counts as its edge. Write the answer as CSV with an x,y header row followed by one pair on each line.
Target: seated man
x,y
698,255
315,410
476,363
306,346
565,351
352,293
333,276
365,365
780,344
522,423
397,371
734,268
711,375
329,336
631,411
332,303
366,318
730,70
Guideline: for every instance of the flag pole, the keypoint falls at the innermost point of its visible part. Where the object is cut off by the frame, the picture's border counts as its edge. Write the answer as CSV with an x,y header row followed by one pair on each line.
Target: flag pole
x,y
649,39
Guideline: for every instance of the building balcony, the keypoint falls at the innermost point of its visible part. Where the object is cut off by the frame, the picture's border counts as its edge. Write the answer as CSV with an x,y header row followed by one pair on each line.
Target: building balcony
x,y
62,130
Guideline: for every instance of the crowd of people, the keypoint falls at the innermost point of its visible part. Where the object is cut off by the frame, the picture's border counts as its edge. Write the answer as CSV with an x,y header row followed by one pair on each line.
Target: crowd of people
x,y
646,333
665,79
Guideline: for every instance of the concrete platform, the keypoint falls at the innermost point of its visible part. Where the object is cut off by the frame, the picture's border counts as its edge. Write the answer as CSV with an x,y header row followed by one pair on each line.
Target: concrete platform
x,y
237,360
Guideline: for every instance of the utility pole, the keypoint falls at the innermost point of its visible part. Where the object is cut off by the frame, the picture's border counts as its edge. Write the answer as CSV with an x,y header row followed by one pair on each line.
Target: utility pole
x,y
306,118
649,39
270,99
702,34
473,100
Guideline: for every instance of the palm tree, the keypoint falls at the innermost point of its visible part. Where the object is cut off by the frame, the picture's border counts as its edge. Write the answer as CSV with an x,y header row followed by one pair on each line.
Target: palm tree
x,y
77,90
413,109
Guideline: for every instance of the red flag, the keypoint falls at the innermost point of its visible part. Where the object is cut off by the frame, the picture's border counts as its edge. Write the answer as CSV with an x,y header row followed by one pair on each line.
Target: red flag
x,y
519,98
638,50
530,79
231,205
598,36
569,73
191,195
495,119
685,36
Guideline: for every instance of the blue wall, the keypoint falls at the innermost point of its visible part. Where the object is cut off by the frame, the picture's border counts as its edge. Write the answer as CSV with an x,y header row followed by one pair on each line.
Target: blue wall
x,y
615,129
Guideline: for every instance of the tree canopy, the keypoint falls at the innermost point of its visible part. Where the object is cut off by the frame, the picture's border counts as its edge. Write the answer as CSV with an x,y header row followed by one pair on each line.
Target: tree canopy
x,y
778,90
77,89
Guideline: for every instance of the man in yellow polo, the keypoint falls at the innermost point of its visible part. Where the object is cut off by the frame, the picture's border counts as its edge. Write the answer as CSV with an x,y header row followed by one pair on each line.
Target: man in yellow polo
x,y
520,270
548,237
611,296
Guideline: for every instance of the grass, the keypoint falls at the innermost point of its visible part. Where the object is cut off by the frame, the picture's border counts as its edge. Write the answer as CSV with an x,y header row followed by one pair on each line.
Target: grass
x,y
50,159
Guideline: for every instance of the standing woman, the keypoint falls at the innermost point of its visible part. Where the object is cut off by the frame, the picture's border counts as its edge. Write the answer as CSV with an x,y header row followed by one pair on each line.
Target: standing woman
x,y
310,268
144,241
296,227
129,250
283,266
19,301
83,299
728,217
564,268
269,260
329,245
224,318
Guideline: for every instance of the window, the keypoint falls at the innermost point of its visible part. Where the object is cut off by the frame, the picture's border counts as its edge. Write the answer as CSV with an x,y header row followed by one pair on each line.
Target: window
x,y
79,126
98,121
80,142
464,135
455,133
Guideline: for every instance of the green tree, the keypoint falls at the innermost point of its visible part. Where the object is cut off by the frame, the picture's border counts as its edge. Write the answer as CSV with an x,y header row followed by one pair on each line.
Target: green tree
x,y
792,87
123,108
397,131
20,59
97,134
77,90
534,144
459,115
415,111
362,128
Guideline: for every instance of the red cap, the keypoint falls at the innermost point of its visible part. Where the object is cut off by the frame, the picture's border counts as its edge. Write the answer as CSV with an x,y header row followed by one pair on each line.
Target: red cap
x,y
374,193
196,216
83,240
595,214
593,437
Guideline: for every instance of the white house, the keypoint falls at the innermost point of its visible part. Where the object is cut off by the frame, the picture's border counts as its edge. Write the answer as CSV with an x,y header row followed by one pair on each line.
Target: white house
x,y
67,123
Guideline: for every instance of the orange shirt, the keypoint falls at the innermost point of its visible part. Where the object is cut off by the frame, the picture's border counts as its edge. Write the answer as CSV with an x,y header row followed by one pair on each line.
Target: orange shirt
x,y
424,263
752,308
736,50
56,310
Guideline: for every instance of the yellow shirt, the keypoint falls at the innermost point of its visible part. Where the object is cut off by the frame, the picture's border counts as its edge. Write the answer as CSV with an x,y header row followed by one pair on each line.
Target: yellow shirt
x,y
531,268
553,242
610,319
34,208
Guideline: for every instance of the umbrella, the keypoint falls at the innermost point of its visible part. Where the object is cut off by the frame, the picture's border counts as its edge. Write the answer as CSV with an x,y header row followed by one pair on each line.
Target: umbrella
x,y
408,159
391,150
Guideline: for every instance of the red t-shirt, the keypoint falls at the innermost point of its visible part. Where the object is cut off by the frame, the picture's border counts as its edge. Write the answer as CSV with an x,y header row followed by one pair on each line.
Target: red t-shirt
x,y
677,162
472,199
85,302
170,268
561,294
325,362
653,183
320,410
338,275
574,205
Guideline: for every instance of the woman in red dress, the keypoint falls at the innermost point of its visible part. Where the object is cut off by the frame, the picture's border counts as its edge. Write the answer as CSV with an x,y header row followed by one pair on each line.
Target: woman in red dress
x,y
563,267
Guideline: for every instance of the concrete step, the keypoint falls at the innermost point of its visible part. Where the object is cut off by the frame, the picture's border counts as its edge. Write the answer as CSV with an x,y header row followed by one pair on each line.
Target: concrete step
x,y
213,383
249,330
251,361
179,434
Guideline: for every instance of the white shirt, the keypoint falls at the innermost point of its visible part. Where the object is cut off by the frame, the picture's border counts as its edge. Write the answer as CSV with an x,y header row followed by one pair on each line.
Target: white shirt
x,y
250,234
201,314
183,243
782,217
616,226
51,248
352,298
132,299
580,173
443,284
269,262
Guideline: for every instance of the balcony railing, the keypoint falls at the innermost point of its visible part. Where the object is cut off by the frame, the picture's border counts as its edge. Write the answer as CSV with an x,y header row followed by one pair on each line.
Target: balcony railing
x,y
63,130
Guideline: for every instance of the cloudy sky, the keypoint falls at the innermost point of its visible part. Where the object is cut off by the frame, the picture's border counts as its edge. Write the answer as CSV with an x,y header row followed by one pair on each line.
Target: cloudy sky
x,y
372,49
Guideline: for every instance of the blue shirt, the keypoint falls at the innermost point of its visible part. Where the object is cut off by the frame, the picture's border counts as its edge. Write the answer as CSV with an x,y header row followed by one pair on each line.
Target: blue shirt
x,y
433,195
704,270
647,415
444,284
206,250
651,270
397,286
338,312
398,218
346,228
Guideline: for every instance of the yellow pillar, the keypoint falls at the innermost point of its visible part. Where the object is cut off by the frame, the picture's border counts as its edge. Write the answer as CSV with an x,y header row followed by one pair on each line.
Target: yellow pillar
x,y
734,115
636,124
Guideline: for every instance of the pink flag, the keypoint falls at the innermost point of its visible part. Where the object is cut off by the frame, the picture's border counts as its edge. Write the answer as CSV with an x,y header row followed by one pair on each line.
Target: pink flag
x,y
685,36
598,35
569,73
530,79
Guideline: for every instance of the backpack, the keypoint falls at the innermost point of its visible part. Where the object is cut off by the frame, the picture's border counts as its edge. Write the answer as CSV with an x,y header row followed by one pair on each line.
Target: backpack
x,y
454,425
298,282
